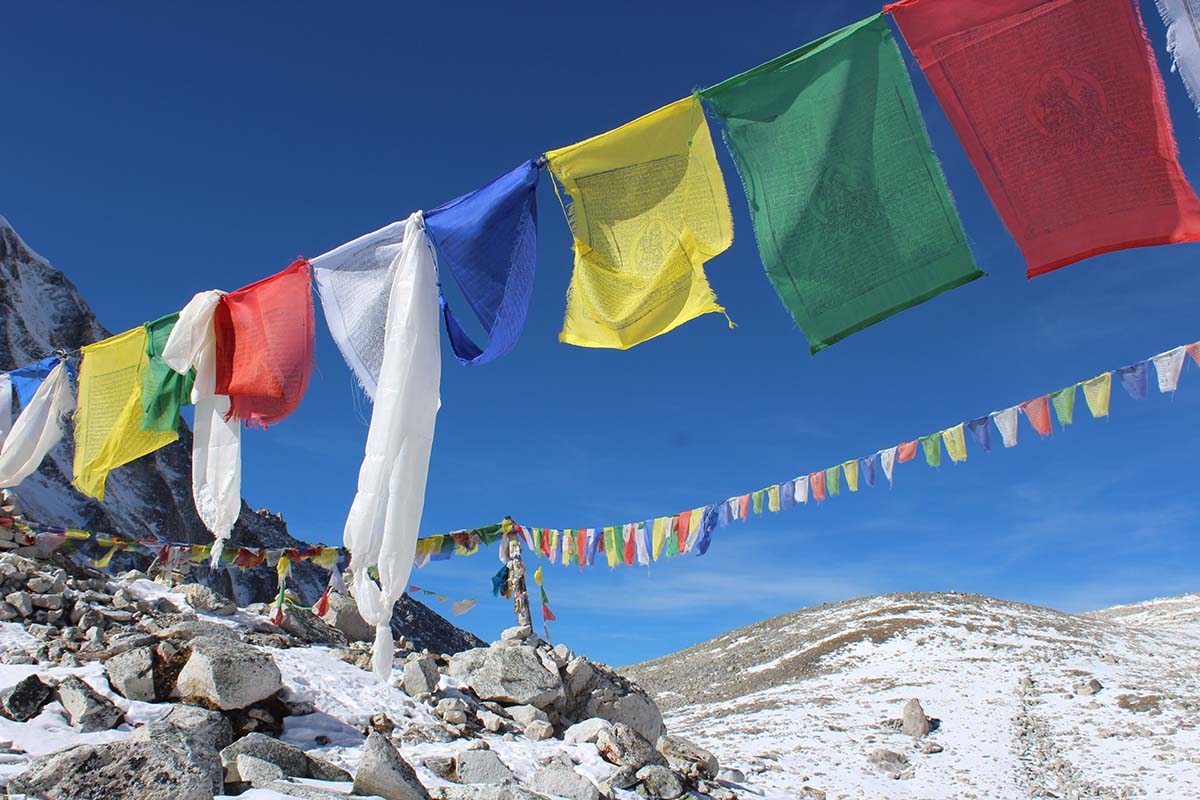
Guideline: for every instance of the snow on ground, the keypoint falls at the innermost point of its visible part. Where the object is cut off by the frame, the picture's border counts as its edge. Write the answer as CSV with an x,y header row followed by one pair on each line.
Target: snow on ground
x,y
818,718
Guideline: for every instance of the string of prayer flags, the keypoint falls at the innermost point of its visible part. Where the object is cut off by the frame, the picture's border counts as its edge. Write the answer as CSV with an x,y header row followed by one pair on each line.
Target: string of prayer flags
x,y
1064,405
648,208
1133,380
851,212
38,428
1061,109
1037,411
1097,392
108,424
487,240
265,337
956,443
1183,42
217,437
1167,366
164,391
458,607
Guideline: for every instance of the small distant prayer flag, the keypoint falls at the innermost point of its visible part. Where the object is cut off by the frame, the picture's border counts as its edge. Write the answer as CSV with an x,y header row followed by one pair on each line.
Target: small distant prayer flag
x,y
956,443
932,445
833,482
1038,413
1133,379
981,432
850,468
906,451
1064,405
1168,365
1097,393
1006,423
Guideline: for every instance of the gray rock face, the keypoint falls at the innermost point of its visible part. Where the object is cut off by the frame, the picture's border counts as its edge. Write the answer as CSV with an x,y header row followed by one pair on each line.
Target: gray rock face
x,y
343,615
87,710
594,690
625,747
524,715
228,674
205,600
142,770
384,772
562,781
421,676
481,766
914,722
586,732
322,770
291,760
688,758
658,783
207,725
510,675
539,730
192,747
131,674
24,701
257,772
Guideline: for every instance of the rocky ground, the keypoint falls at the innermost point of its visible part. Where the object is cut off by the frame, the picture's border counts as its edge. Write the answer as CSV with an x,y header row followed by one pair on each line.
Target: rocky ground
x,y
947,695
129,688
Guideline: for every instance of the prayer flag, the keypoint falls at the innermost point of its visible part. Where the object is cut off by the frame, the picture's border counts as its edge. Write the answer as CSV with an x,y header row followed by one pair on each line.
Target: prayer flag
x,y
773,498
932,445
887,460
610,547
659,536
1061,109
547,615
264,336
1183,42
802,489
1097,393
1194,351
1168,365
1038,412
745,506
787,495
757,498
1133,378
27,379
851,469
38,428
725,514
816,481
851,211
164,391
833,482
706,528
630,544
648,209
867,468
537,576
488,241
906,451
981,432
108,424
1064,405
683,524
695,524
956,443
1006,423
643,547
673,539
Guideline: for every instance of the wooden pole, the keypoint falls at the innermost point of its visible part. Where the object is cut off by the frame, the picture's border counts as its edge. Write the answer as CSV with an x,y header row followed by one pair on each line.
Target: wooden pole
x,y
516,577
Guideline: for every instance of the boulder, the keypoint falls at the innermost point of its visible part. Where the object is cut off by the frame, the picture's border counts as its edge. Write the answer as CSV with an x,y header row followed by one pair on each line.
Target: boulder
x,y
539,730
623,778
291,760
625,747
913,721
586,732
193,747
562,781
303,791
175,626
257,772
421,676
658,783
688,758
491,722
510,675
524,715
1089,687
205,600
322,770
308,627
382,771
593,690
87,710
128,769
343,615
484,792
24,701
889,762
227,674
131,674
204,723
481,766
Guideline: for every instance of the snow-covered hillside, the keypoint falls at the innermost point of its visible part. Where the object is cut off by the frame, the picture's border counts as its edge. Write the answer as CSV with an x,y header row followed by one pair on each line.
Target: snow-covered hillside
x,y
805,698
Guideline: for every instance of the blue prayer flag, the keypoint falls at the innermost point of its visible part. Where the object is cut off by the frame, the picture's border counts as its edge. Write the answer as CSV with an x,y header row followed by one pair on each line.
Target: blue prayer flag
x,y
27,379
707,524
981,431
1133,378
866,468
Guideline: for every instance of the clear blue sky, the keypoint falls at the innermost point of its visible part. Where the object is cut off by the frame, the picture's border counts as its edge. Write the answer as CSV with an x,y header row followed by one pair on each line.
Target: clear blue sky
x,y
163,151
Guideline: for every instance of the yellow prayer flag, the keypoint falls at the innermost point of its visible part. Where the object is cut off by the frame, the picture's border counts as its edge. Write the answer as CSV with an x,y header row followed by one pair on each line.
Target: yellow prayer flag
x,y
108,424
850,468
537,576
1097,392
283,567
328,555
648,208
658,537
566,548
956,443
694,521
773,498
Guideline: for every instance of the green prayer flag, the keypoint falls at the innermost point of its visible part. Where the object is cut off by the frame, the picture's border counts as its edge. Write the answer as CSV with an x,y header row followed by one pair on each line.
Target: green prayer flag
x,y
672,540
851,210
833,482
164,391
1064,405
545,599
933,449
756,499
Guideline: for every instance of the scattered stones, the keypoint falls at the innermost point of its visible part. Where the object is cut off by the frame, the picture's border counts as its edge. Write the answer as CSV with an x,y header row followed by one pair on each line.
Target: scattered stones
x,y
452,710
482,792
24,701
888,762
623,778
913,721
930,747
228,674
810,793
384,772
587,731
481,766
1089,687
658,783
562,781
145,770
688,758
510,675
87,710
131,674
625,747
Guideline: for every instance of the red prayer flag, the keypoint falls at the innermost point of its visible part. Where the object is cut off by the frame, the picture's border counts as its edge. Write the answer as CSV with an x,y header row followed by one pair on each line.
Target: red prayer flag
x,y
682,523
265,339
907,451
581,546
322,606
1038,412
630,545
816,482
1062,111
1194,351
547,615
744,506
